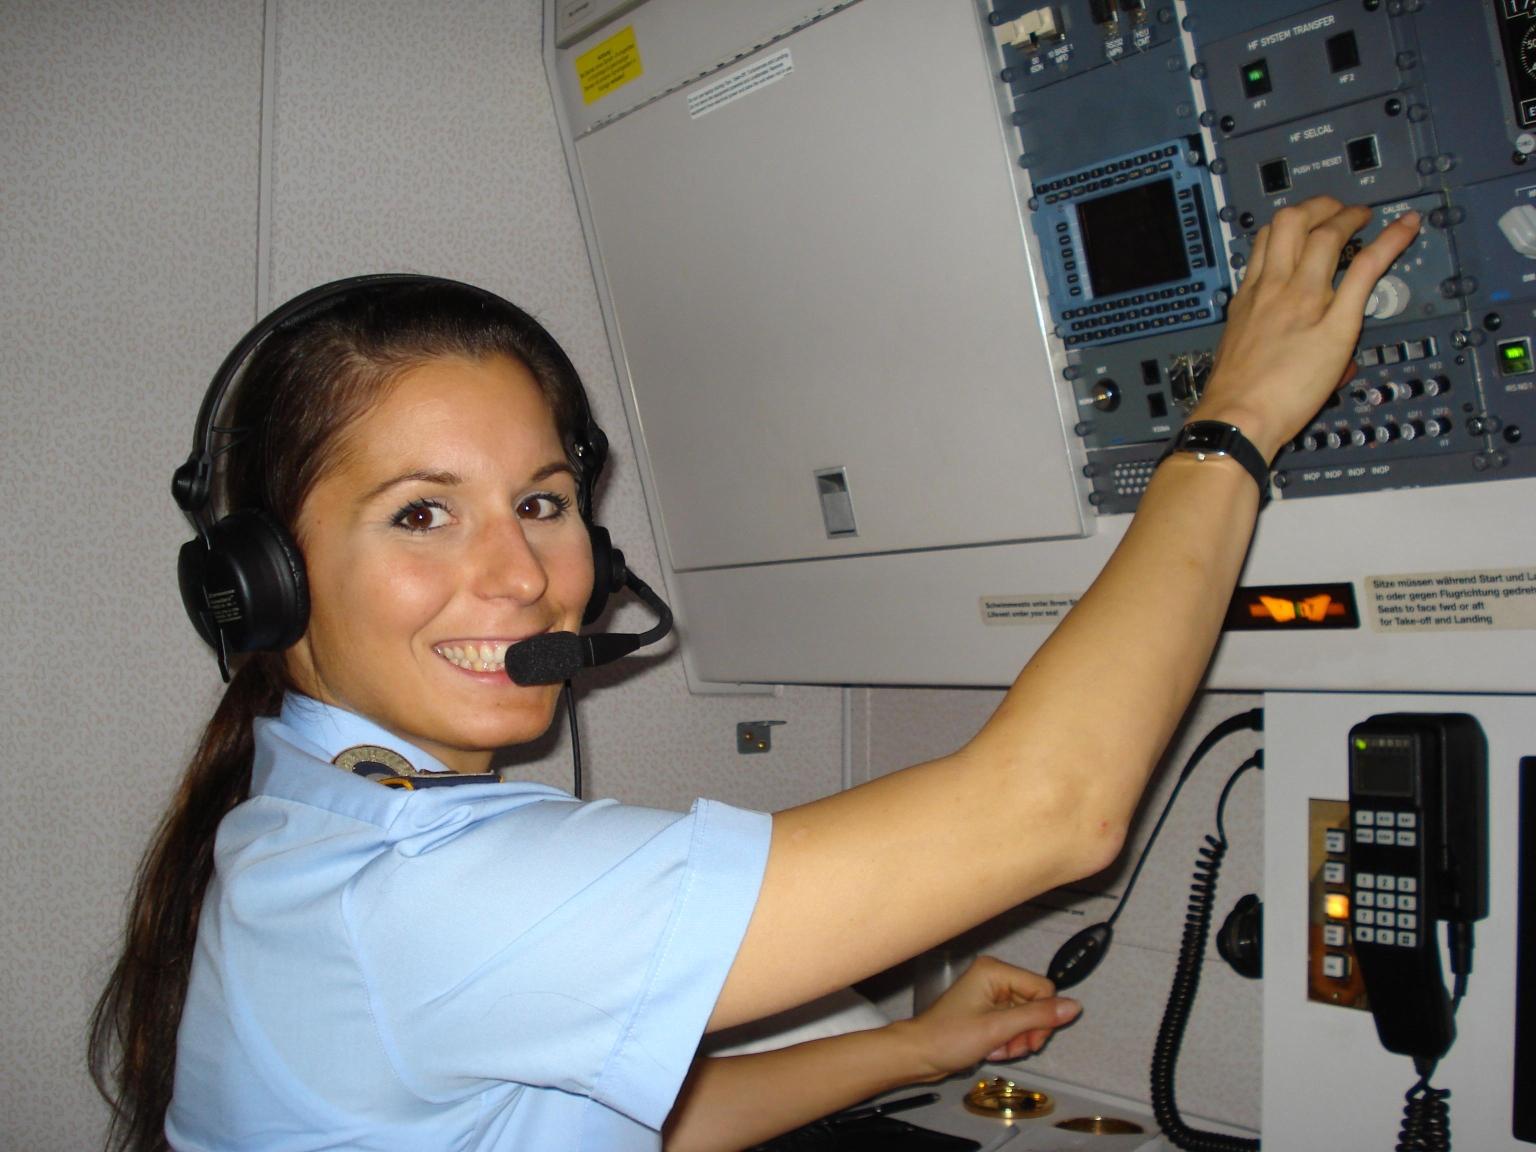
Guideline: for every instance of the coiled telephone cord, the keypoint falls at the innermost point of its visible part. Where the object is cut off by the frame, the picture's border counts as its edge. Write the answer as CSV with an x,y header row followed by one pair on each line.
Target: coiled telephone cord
x,y
1426,1118
1181,997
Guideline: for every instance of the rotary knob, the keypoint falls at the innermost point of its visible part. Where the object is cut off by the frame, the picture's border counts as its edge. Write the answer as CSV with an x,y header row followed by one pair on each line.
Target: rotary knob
x,y
1389,298
1519,228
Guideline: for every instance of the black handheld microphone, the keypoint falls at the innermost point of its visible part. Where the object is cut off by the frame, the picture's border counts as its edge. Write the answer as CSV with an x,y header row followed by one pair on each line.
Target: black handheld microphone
x,y
558,656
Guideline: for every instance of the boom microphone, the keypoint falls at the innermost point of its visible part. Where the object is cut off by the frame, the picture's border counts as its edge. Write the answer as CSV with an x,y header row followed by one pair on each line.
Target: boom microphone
x,y
558,656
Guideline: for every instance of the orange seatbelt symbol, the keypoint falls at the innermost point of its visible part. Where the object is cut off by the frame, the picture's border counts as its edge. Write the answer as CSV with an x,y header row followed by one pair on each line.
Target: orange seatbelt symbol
x,y
1314,608
1283,611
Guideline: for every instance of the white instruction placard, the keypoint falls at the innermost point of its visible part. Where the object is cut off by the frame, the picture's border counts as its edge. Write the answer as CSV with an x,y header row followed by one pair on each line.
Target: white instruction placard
x,y
1473,600
742,82
1034,608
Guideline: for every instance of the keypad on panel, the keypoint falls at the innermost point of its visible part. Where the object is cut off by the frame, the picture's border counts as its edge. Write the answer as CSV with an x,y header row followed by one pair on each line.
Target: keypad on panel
x,y
1386,908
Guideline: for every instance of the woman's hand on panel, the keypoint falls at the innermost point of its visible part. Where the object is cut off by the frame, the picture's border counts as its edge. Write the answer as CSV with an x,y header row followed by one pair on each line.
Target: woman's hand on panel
x,y
1291,332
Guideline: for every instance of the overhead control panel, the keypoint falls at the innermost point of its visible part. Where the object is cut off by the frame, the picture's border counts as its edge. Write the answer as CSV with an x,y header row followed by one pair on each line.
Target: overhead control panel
x,y
1424,105
906,299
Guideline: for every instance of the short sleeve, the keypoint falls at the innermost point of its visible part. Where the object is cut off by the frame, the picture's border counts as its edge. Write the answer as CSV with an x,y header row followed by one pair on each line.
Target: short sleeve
x,y
580,947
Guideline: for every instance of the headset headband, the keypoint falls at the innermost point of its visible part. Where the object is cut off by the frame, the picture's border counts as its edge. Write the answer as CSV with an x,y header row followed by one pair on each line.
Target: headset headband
x,y
192,484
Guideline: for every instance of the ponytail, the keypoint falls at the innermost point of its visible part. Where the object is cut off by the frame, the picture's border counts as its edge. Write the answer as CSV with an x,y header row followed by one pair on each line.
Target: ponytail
x,y
133,1028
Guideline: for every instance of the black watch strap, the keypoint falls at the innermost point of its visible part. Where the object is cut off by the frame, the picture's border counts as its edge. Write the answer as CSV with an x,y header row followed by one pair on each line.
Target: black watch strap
x,y
1213,438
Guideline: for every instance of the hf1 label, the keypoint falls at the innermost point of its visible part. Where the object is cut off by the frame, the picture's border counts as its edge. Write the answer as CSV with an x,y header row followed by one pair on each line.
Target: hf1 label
x,y
1038,608
1478,600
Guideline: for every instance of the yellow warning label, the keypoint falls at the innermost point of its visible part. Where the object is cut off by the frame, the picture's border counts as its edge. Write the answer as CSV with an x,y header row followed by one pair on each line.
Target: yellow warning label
x,y
610,65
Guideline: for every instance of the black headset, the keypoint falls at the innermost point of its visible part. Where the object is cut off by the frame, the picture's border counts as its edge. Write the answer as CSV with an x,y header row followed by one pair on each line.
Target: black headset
x,y
242,577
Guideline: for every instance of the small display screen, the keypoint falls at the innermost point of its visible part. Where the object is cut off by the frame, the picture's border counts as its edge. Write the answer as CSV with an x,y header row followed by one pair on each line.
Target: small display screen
x,y
1133,239
1382,771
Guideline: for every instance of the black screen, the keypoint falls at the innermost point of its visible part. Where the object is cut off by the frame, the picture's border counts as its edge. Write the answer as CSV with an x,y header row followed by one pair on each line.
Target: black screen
x,y
1133,239
1380,772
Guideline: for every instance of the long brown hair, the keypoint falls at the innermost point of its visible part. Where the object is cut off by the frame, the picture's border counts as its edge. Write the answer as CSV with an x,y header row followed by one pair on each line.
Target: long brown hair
x,y
302,389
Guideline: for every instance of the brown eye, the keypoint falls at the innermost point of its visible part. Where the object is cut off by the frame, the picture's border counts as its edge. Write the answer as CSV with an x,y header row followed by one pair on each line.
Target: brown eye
x,y
420,516
543,506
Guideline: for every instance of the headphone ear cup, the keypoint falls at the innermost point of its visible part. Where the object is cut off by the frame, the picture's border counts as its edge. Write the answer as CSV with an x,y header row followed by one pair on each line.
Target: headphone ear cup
x,y
246,584
191,572
608,572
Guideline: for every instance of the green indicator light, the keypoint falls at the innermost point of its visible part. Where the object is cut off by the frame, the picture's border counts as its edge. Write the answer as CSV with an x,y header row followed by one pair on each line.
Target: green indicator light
x,y
1360,744
1255,75
1515,358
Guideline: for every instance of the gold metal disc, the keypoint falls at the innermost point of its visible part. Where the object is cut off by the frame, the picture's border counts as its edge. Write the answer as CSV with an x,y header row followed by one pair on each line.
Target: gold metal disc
x,y
1005,1100
386,758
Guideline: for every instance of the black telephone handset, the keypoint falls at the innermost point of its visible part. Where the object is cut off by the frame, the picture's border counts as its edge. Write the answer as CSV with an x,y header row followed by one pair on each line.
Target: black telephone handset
x,y
1418,802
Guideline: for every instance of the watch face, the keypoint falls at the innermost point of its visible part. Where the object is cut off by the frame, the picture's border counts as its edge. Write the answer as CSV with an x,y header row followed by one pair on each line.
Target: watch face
x,y
1203,437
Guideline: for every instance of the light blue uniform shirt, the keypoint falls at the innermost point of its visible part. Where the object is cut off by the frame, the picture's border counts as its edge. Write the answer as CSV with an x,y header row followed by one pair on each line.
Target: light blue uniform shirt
x,y
483,966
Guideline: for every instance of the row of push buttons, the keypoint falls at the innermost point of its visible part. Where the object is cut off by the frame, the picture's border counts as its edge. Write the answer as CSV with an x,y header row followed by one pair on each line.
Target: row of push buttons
x,y
1389,900
1386,918
1107,182
1129,301
1395,937
1145,163
1370,357
1394,829
1131,314
1336,965
1131,326
1386,882
1069,260
1162,309
1401,839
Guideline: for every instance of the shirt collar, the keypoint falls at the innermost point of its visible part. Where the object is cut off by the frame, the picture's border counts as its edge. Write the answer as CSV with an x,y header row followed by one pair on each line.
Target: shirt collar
x,y
332,730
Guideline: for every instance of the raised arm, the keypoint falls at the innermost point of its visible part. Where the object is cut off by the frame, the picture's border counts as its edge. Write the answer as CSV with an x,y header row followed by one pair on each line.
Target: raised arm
x,y
1044,793
994,1011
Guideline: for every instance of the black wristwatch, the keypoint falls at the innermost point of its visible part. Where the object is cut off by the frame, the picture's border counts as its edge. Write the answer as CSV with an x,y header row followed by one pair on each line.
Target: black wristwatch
x,y
1213,438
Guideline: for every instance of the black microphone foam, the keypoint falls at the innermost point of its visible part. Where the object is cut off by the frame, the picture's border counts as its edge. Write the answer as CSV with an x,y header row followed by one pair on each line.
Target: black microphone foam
x,y
556,656
548,659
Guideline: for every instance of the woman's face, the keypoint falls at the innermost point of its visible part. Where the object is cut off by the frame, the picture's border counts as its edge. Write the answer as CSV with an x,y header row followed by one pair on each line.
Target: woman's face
x,y
444,530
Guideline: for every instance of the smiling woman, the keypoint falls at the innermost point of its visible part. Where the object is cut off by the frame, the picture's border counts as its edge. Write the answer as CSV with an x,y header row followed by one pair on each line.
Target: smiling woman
x,y
388,473
316,962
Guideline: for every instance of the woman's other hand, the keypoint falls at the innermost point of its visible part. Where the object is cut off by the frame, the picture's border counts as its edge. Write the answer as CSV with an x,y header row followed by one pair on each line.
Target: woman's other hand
x,y
995,1011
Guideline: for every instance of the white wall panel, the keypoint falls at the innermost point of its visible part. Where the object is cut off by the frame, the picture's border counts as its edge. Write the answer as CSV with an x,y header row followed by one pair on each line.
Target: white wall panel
x,y
127,256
